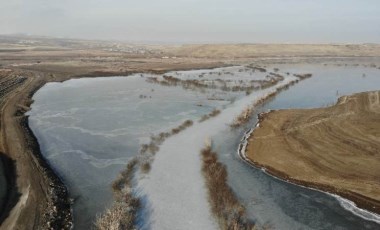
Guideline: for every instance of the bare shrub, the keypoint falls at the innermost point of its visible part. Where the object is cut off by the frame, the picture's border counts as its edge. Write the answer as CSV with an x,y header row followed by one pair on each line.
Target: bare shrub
x,y
213,113
246,114
182,127
154,146
115,218
243,117
145,167
227,209
200,85
260,69
303,76
175,130
123,213
125,177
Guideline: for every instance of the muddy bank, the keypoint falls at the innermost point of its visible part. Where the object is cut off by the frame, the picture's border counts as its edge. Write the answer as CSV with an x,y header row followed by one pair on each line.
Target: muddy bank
x,y
307,166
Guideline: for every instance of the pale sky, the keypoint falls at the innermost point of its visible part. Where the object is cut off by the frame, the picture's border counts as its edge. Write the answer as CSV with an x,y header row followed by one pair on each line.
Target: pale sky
x,y
197,21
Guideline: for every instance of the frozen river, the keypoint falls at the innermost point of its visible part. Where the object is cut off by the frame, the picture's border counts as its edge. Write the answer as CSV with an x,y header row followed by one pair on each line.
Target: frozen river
x,y
88,129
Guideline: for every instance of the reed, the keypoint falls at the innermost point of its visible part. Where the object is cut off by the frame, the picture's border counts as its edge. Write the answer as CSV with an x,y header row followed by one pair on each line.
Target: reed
x,y
226,208
213,113
123,213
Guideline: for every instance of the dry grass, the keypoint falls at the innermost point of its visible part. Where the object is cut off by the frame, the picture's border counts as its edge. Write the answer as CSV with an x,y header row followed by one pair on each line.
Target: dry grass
x,y
213,113
247,113
147,151
347,134
258,68
243,117
115,218
227,209
303,76
145,167
199,85
123,213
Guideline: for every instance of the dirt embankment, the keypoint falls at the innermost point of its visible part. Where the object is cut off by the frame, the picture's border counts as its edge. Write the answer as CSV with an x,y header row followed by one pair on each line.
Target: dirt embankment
x,y
38,199
335,149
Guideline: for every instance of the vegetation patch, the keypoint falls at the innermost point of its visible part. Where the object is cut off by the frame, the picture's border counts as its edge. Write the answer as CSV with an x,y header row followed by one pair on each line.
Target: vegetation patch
x,y
213,113
147,151
303,76
225,207
222,84
123,213
247,113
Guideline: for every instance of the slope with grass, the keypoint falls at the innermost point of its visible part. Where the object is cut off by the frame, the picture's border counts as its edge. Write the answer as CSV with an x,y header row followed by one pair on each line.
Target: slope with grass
x,y
335,149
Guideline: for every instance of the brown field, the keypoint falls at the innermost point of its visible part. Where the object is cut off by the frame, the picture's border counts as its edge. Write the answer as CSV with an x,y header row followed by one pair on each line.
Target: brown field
x,y
275,50
336,149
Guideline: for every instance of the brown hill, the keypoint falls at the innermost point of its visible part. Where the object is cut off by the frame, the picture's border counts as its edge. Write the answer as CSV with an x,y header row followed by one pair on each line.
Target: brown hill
x,y
336,149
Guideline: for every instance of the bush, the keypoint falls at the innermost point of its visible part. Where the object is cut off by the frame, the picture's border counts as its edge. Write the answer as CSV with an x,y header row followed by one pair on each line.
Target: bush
x,y
123,213
243,117
303,76
145,167
116,218
228,211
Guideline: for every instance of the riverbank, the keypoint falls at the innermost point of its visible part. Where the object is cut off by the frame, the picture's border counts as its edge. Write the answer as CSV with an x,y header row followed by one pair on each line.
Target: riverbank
x,y
34,178
37,187
308,148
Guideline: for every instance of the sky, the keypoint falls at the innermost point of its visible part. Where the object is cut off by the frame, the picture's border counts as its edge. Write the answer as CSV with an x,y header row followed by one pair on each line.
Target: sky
x,y
197,21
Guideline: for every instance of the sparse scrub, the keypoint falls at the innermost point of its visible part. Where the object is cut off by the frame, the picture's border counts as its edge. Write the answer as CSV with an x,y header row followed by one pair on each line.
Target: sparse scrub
x,y
243,117
145,167
246,114
230,214
303,76
213,113
124,179
115,218
123,213
202,85
153,146
258,68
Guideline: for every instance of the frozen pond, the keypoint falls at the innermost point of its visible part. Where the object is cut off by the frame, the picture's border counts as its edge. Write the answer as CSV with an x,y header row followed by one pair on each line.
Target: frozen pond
x,y
88,129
